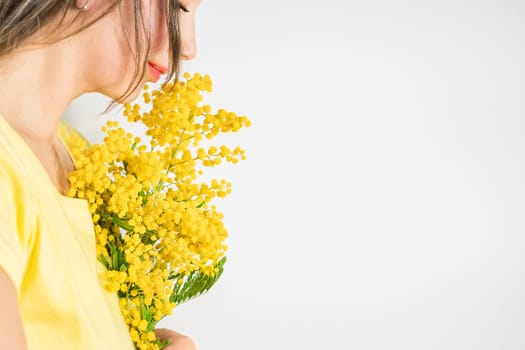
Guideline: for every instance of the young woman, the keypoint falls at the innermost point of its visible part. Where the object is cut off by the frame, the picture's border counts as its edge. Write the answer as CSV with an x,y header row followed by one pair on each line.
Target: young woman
x,y
52,51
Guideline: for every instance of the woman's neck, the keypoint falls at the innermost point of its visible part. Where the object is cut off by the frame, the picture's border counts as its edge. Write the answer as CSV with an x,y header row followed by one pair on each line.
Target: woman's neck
x,y
36,87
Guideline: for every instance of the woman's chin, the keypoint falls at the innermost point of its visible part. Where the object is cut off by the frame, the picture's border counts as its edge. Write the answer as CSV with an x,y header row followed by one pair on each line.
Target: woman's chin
x,y
119,92
127,98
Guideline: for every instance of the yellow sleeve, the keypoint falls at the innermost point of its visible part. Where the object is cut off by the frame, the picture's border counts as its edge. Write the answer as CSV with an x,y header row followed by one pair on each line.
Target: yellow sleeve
x,y
16,229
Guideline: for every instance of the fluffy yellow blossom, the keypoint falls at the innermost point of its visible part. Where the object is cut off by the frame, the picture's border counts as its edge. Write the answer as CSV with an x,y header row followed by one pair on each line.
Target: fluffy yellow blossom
x,y
158,235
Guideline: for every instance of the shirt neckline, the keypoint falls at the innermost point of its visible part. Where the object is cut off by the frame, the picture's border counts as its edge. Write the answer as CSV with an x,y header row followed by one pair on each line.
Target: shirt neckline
x,y
38,165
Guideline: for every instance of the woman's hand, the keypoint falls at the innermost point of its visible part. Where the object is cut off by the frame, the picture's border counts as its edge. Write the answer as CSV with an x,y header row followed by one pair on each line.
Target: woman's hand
x,y
178,341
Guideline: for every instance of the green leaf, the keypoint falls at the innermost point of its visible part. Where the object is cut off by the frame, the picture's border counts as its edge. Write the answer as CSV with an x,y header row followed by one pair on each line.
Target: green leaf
x,y
196,284
121,222
104,261
151,325
146,237
145,313
114,258
162,344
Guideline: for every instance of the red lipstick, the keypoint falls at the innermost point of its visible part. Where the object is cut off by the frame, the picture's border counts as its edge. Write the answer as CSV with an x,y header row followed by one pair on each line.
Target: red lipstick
x,y
156,70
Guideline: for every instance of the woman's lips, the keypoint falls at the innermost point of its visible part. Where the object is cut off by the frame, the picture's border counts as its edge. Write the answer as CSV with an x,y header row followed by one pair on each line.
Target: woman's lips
x,y
156,70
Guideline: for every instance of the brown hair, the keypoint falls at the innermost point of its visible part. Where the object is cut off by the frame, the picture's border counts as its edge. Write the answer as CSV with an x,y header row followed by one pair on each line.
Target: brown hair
x,y
20,19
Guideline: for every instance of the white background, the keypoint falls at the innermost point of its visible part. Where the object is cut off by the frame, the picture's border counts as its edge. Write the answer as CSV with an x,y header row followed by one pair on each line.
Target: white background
x,y
382,205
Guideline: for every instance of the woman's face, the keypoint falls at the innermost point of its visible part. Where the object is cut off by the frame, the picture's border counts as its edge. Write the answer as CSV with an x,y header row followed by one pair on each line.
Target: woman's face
x,y
112,64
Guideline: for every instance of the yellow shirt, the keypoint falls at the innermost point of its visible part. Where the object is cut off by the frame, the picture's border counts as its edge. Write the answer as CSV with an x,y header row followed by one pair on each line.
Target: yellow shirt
x,y
47,247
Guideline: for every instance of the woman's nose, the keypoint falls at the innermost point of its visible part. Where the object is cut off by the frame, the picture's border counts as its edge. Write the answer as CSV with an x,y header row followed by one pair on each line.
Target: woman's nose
x,y
188,49
188,42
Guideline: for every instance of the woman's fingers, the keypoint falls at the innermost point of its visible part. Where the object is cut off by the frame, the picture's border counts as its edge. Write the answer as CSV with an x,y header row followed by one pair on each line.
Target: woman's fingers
x,y
178,341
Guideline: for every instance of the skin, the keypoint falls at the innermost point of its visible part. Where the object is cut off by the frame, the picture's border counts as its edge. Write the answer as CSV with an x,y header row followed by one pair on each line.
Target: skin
x,y
96,60
11,331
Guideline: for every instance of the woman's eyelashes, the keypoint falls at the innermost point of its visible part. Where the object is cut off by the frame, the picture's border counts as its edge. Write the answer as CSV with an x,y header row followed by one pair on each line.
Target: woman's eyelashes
x,y
183,8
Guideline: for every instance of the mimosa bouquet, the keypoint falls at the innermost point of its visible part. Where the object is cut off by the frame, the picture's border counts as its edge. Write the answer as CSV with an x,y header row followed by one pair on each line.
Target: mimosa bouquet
x,y
157,233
